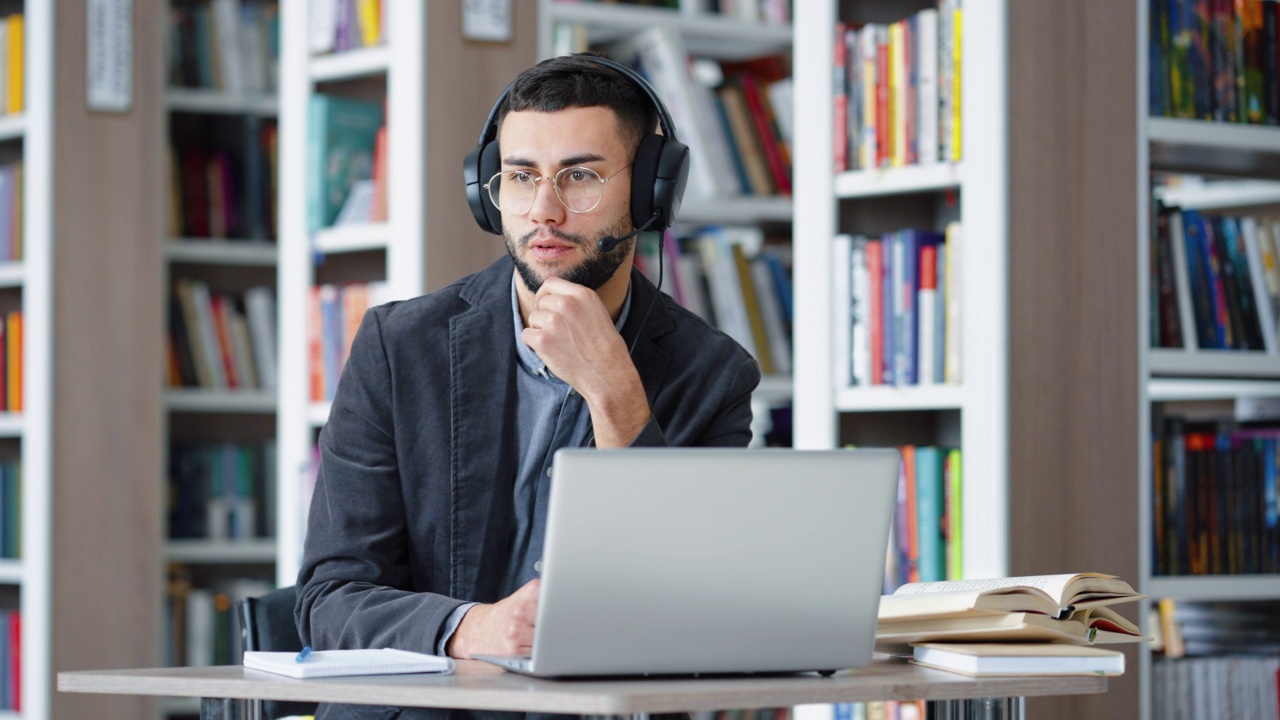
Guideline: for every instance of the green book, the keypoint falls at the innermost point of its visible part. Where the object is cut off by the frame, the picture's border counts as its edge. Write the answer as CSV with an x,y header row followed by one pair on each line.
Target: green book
x,y
340,143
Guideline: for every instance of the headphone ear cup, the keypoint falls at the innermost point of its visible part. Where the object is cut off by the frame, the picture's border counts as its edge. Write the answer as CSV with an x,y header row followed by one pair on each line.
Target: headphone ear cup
x,y
669,182
644,173
477,167
490,164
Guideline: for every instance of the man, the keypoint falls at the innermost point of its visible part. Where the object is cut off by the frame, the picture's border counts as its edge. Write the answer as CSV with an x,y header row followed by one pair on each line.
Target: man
x,y
426,526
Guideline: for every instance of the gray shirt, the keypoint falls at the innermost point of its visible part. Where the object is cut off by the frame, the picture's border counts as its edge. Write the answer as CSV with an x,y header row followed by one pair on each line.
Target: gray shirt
x,y
549,415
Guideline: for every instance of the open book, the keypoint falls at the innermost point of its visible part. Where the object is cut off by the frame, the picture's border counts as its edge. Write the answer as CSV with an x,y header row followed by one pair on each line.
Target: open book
x,y
1069,609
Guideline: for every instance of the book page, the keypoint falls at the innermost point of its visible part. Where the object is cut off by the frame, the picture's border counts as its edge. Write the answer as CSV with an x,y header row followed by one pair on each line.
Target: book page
x,y
1052,585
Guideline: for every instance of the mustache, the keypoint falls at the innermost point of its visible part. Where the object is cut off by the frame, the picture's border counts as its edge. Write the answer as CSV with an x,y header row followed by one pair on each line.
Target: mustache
x,y
556,233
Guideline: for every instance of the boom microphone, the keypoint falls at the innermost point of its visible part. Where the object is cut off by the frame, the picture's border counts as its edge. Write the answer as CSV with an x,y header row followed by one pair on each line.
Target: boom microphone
x,y
609,242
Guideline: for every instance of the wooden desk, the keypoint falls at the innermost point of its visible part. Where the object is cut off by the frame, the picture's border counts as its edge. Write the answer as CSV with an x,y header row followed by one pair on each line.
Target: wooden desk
x,y
478,686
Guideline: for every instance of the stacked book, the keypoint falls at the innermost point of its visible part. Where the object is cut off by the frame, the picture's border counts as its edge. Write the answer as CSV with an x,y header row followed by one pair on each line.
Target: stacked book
x,y
1037,625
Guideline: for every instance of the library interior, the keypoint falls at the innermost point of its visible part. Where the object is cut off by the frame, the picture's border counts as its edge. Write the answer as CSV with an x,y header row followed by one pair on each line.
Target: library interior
x,y
1033,246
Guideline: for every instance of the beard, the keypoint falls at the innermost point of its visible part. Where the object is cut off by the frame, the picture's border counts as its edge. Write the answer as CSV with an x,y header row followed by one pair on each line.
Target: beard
x,y
592,272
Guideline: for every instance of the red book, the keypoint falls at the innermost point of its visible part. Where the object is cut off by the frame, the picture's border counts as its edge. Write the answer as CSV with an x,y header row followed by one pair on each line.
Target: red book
x,y
768,140
221,324
380,175
15,658
315,347
195,197
913,529
875,275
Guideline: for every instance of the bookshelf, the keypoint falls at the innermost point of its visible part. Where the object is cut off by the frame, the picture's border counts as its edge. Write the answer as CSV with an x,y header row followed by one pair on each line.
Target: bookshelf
x,y
220,108
970,415
433,114
710,36
1045,413
1241,161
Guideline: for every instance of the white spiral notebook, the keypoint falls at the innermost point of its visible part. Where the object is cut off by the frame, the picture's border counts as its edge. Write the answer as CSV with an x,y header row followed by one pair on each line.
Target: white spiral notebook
x,y
332,663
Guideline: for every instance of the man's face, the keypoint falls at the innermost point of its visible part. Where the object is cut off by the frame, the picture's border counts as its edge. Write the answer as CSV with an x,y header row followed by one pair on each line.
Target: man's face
x,y
550,240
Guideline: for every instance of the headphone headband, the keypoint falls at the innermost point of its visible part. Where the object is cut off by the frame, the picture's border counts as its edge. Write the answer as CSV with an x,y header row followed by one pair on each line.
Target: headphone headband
x,y
490,129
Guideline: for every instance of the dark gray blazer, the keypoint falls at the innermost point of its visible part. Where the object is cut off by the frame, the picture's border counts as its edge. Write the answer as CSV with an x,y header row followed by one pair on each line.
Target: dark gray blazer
x,y
413,513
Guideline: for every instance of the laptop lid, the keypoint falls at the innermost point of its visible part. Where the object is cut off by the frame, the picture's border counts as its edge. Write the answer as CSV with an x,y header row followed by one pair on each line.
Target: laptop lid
x,y
675,561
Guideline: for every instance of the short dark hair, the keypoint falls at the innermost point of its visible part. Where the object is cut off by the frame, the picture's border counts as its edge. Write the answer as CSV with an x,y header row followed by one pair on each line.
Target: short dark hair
x,y
573,81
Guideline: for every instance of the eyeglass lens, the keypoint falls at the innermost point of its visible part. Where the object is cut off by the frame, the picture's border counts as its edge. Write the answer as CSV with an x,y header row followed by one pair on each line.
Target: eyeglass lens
x,y
513,191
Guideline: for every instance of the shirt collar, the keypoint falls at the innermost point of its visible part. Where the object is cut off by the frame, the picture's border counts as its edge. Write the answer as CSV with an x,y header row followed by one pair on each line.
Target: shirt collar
x,y
528,358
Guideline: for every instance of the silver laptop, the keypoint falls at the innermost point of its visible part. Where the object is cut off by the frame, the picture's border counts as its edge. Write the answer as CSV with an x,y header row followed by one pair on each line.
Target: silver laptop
x,y
703,561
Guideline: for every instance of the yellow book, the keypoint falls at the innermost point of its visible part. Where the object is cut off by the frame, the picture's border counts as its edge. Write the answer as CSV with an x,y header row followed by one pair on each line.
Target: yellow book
x,y
13,359
368,13
955,516
14,29
956,54
752,304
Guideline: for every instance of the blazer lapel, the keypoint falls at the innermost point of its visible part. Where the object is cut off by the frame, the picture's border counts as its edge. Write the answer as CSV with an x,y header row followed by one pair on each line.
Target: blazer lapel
x,y
482,404
651,361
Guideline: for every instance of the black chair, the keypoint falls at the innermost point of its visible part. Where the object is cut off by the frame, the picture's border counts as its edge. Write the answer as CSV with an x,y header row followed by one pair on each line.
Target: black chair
x,y
266,623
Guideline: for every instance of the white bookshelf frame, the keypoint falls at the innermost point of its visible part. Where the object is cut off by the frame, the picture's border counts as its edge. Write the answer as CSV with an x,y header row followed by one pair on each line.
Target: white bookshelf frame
x,y
256,551
211,401
12,127
402,61
352,238
982,178
933,177
200,251
704,34
12,274
220,102
37,417
12,424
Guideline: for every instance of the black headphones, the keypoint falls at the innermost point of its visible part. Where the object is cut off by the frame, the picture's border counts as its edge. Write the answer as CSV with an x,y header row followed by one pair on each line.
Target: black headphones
x,y
658,175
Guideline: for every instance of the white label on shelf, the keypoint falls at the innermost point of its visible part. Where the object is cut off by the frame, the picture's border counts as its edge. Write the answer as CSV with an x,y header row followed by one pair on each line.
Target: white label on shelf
x,y
109,55
486,20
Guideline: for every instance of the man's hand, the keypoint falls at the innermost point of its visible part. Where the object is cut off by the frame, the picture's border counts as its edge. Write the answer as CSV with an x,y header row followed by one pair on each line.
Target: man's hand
x,y
570,329
503,628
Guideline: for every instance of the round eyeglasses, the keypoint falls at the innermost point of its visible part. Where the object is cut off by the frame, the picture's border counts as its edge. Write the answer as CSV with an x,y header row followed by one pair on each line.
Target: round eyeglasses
x,y
580,189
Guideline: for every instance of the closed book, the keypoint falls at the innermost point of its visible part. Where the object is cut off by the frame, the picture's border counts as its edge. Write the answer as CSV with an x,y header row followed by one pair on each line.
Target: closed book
x,y
16,62
331,663
842,323
932,564
1001,659
340,150
13,363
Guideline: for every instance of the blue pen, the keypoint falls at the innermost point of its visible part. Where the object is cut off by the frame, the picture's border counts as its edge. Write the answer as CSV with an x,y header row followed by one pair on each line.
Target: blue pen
x,y
303,655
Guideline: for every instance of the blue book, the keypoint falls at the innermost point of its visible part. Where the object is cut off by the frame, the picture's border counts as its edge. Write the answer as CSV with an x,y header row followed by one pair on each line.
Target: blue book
x,y
932,561
888,305
340,145
331,340
906,251
735,154
1201,292
782,279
